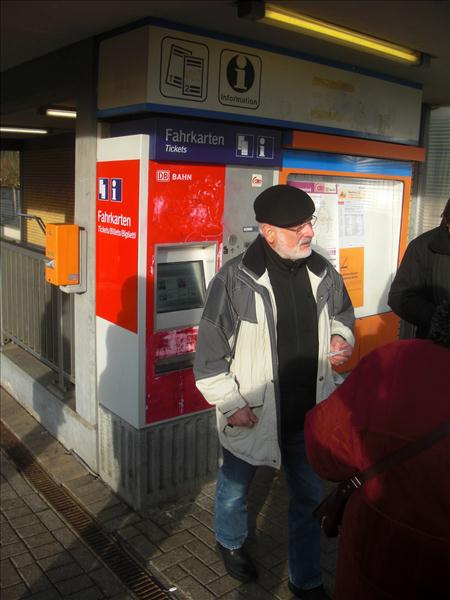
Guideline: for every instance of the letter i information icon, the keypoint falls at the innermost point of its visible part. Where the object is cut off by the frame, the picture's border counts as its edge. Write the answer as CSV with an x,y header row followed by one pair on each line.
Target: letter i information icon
x,y
116,190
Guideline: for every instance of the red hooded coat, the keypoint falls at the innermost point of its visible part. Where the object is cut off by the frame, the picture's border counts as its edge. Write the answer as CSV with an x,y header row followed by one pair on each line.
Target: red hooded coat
x,y
395,537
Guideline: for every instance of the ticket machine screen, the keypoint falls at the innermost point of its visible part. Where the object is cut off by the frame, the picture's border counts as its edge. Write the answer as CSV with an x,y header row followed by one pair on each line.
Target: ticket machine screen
x,y
183,272
180,286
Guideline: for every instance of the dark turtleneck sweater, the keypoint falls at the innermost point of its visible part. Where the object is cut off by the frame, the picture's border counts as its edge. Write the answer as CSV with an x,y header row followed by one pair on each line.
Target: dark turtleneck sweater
x,y
297,338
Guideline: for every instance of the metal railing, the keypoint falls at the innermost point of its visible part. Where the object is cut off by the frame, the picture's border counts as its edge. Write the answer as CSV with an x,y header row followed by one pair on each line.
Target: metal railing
x,y
34,314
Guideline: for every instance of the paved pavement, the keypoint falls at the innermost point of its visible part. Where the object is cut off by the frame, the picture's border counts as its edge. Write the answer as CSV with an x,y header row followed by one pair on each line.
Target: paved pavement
x,y
42,557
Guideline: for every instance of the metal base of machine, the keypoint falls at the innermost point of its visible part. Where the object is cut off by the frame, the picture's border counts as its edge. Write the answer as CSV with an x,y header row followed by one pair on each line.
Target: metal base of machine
x,y
161,462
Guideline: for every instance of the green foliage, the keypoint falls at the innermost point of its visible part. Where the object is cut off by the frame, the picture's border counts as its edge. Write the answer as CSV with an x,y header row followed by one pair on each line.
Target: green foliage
x,y
9,168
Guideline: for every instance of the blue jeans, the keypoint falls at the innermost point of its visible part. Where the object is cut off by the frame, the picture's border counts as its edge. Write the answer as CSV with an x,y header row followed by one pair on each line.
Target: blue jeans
x,y
304,486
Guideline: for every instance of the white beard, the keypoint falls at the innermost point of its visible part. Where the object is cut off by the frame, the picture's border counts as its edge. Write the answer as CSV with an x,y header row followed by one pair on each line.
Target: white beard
x,y
294,253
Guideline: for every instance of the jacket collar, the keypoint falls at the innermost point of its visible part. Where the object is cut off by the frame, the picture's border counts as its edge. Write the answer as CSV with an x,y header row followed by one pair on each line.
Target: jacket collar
x,y
254,259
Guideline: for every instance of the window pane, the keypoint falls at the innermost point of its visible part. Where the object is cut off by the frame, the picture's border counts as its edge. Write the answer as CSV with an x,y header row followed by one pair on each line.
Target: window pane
x,y
10,194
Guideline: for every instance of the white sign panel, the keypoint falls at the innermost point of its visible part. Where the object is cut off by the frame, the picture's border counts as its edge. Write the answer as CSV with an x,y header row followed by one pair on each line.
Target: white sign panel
x,y
358,230
154,68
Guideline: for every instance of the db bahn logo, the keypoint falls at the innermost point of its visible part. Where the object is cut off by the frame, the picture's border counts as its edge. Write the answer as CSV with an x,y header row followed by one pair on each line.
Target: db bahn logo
x,y
162,175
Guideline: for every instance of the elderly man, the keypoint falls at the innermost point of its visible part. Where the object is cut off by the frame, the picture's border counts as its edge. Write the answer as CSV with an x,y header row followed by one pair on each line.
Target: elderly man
x,y
276,319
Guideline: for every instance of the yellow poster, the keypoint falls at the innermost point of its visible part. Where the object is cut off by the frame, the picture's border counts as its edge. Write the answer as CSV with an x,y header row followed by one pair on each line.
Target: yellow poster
x,y
351,267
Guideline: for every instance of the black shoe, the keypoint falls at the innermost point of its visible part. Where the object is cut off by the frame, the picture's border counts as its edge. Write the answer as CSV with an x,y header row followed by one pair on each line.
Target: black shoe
x,y
317,593
238,564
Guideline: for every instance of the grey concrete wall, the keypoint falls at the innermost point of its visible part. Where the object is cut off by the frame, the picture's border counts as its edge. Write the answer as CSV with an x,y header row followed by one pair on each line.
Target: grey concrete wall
x,y
85,201
29,381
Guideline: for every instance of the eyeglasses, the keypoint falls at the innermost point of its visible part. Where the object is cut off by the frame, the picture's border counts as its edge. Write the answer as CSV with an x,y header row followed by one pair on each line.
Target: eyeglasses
x,y
311,222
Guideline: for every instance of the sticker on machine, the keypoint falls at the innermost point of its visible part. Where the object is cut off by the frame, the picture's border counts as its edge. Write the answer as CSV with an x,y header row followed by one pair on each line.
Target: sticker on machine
x,y
257,180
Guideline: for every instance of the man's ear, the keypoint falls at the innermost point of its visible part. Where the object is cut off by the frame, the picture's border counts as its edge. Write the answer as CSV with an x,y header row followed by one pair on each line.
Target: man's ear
x,y
268,232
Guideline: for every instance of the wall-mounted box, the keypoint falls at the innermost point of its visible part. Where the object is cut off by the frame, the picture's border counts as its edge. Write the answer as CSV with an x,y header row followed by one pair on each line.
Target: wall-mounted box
x,y
62,254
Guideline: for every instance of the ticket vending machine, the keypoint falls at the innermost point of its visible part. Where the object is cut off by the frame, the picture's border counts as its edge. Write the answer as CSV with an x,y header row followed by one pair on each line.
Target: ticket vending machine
x,y
163,230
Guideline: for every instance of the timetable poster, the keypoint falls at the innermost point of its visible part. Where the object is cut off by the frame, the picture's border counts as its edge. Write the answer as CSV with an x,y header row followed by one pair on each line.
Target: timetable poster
x,y
326,230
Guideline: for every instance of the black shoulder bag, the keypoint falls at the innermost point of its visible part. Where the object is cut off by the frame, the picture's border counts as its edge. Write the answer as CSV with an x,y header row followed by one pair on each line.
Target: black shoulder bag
x,y
331,510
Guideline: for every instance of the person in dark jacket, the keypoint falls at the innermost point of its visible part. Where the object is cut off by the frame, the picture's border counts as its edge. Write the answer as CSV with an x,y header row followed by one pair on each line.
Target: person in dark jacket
x,y
422,281
395,536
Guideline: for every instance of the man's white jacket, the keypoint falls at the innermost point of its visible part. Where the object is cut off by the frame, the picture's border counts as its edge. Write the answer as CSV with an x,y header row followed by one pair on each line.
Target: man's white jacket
x,y
236,362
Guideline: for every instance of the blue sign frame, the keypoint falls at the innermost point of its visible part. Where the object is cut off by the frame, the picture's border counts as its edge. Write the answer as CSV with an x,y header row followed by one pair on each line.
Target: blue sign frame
x,y
189,140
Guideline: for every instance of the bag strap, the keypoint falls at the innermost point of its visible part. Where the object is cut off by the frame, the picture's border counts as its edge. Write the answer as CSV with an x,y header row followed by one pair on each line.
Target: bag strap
x,y
403,454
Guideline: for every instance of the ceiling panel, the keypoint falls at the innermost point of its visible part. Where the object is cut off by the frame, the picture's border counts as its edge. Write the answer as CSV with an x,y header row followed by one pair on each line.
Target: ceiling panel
x,y
30,29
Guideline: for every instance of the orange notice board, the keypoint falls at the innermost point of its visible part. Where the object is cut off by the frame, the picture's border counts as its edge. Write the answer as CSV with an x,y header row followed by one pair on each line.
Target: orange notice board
x,y
351,267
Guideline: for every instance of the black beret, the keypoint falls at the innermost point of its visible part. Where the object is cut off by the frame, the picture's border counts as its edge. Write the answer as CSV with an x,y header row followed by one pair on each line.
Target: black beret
x,y
283,206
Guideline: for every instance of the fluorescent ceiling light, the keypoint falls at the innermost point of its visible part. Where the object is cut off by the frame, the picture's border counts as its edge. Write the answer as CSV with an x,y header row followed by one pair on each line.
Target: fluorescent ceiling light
x,y
23,130
273,15
65,113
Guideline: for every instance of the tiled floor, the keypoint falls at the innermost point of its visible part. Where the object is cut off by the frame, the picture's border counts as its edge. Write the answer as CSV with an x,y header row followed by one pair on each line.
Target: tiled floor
x,y
175,541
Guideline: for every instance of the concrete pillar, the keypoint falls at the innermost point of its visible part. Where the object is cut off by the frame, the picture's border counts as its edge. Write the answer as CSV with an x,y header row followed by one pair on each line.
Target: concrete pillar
x,y
85,198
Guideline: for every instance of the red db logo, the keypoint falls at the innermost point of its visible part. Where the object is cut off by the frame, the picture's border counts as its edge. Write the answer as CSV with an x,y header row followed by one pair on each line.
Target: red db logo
x,y
162,175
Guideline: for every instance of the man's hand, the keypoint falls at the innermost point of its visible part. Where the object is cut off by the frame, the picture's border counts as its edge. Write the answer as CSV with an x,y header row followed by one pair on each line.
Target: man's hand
x,y
244,417
340,351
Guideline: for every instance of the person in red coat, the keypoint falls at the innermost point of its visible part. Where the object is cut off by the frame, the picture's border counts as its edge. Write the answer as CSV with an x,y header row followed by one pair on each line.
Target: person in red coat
x,y
395,536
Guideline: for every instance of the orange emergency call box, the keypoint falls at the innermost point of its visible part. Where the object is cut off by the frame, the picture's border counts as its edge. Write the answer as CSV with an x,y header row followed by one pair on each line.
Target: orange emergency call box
x,y
62,254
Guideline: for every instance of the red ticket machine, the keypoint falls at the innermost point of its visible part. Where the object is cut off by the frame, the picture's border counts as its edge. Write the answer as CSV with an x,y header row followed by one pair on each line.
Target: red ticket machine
x,y
158,235
162,232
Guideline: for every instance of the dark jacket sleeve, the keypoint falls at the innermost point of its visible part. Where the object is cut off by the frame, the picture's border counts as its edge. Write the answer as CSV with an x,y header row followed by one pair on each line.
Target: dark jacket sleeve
x,y
408,293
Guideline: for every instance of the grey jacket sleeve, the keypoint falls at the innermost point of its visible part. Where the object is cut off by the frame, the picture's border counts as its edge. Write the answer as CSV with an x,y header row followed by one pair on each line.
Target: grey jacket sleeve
x,y
342,312
216,334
